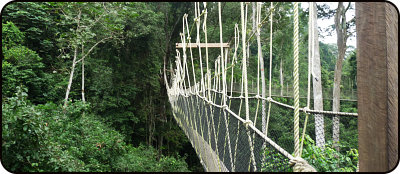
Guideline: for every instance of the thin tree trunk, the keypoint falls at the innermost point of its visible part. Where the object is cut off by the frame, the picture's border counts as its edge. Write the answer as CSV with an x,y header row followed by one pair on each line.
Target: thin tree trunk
x,y
281,75
83,77
317,86
160,144
73,64
71,75
287,89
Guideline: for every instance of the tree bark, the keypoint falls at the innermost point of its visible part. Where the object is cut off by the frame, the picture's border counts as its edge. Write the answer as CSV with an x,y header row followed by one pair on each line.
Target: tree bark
x,y
317,86
341,31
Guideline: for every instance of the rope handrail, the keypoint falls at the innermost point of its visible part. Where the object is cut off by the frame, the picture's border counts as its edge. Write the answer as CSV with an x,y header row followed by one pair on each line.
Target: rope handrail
x,y
291,107
311,111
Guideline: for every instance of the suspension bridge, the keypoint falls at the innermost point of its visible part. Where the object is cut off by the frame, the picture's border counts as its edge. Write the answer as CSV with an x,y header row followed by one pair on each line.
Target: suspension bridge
x,y
235,130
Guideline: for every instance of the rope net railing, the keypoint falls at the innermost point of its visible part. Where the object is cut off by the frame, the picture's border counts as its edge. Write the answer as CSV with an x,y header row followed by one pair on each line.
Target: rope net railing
x,y
287,91
234,130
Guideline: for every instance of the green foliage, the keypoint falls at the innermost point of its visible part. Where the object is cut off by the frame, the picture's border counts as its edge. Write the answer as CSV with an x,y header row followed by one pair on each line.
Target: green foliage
x,y
37,20
11,35
329,160
50,138
145,160
275,162
21,65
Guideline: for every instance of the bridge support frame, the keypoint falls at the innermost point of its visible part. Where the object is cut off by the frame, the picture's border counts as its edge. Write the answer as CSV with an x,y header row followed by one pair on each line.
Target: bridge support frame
x,y
377,80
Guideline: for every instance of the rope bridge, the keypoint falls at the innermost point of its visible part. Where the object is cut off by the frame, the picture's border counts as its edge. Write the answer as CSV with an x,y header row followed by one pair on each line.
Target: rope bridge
x,y
231,131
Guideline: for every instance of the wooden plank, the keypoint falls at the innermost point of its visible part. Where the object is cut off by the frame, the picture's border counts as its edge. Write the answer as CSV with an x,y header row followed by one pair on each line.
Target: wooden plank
x,y
377,70
392,33
203,45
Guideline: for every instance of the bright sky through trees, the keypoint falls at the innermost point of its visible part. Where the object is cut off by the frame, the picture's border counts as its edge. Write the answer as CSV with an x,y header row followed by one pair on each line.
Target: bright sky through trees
x,y
326,23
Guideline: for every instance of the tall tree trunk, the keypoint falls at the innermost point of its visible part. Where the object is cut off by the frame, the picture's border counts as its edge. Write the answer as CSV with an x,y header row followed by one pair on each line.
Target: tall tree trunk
x,y
341,31
316,81
260,55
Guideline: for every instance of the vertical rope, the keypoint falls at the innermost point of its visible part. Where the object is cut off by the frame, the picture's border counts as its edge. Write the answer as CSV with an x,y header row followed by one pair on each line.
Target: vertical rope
x,y
270,49
270,67
237,40
205,38
234,54
208,73
224,83
212,111
222,54
191,53
257,28
246,93
310,57
296,79
206,115
197,19
245,82
193,71
184,48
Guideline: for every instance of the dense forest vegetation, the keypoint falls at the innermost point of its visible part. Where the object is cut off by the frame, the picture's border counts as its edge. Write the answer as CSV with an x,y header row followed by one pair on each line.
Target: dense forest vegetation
x,y
108,58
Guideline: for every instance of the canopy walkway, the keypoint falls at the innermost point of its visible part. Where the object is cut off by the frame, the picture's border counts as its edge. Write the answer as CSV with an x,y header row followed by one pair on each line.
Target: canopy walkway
x,y
232,131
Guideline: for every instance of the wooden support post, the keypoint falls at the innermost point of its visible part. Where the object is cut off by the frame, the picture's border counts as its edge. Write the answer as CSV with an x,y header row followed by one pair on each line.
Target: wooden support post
x,y
377,76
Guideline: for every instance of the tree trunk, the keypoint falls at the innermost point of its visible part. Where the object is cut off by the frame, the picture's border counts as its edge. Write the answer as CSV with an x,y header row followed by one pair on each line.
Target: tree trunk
x,y
341,31
71,75
73,64
83,77
287,89
260,55
317,86
281,75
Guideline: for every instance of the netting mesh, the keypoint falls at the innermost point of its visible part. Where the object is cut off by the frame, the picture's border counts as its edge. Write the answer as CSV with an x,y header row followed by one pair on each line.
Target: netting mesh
x,y
205,125
218,129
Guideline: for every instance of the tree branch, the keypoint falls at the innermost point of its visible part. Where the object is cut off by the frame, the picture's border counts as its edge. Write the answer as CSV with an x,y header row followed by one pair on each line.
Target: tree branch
x,y
347,8
79,20
90,50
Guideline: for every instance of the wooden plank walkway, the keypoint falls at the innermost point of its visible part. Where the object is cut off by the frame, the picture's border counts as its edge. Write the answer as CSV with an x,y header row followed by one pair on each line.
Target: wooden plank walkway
x,y
208,155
